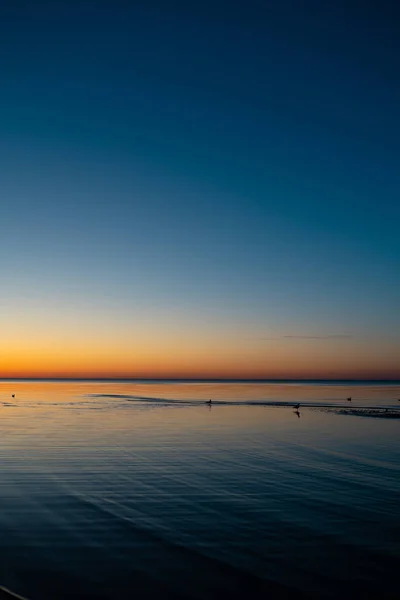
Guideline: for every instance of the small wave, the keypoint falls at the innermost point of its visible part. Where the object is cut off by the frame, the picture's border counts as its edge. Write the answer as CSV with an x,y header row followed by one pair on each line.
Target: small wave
x,y
6,593
147,531
132,398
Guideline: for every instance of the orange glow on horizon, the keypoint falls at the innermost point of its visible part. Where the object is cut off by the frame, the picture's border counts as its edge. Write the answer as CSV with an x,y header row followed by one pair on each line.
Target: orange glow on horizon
x,y
162,368
193,356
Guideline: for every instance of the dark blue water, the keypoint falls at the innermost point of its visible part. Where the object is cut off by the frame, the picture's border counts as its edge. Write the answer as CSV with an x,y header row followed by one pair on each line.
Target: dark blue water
x,y
107,495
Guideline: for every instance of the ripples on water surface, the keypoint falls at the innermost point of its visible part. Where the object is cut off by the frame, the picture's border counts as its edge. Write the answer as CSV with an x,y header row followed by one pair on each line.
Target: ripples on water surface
x,y
106,493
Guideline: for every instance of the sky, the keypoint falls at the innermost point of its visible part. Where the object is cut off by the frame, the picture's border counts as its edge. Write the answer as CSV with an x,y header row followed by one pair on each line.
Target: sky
x,y
200,189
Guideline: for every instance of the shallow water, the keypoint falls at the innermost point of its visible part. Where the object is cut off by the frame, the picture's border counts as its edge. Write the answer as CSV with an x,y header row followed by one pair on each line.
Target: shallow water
x,y
112,490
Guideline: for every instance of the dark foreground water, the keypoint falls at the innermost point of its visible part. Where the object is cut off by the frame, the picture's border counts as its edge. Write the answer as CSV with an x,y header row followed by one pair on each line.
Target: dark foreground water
x,y
129,490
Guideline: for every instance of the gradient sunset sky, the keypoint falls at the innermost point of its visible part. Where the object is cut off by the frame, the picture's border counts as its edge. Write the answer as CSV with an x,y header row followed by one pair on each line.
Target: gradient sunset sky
x,y
200,189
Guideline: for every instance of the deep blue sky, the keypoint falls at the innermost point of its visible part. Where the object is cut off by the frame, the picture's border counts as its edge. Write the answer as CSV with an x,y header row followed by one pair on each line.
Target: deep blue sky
x,y
220,169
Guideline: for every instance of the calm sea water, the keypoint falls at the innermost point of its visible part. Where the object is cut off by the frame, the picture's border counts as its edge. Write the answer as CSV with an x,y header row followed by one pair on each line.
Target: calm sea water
x,y
140,490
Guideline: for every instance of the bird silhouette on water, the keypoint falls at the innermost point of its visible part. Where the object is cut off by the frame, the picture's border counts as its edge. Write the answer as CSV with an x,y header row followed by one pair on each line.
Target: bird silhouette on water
x,y
13,396
349,399
209,402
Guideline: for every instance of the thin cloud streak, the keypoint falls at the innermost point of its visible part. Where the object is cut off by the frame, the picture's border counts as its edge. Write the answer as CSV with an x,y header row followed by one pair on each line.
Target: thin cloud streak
x,y
343,336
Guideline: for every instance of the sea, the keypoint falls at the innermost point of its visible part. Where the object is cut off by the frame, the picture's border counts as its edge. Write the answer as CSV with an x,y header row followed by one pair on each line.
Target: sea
x,y
146,490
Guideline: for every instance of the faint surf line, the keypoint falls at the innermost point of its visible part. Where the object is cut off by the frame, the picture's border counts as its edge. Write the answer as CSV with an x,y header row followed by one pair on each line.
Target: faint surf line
x,y
388,411
130,397
10,594
161,534
374,412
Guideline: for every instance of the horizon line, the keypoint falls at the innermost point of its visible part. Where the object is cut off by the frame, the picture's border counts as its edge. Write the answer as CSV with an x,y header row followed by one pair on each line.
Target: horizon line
x,y
206,379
